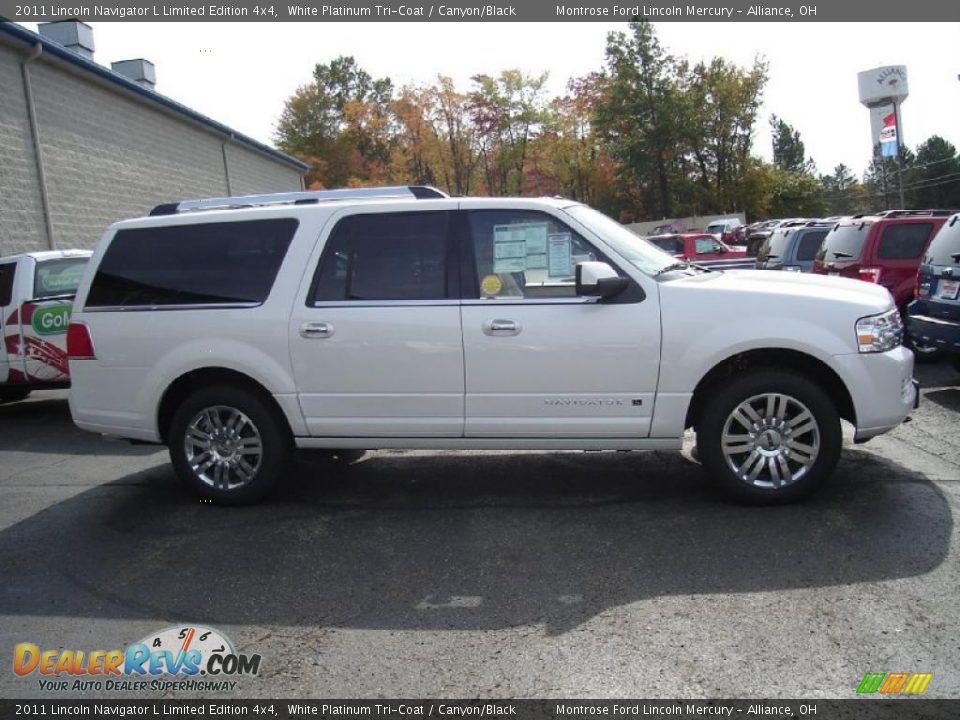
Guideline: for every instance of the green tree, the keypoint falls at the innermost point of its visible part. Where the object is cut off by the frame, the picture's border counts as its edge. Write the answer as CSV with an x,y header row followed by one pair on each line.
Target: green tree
x,y
788,149
339,122
638,115
934,180
508,113
842,192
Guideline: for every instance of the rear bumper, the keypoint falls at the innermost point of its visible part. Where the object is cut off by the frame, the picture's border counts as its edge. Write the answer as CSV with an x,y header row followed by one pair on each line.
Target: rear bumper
x,y
945,334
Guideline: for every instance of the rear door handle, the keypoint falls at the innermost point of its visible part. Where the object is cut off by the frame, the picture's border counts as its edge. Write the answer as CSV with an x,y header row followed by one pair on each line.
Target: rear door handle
x,y
314,330
501,327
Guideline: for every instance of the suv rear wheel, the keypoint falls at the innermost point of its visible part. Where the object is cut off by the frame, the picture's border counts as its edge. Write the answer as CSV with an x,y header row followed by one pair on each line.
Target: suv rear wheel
x,y
769,438
229,444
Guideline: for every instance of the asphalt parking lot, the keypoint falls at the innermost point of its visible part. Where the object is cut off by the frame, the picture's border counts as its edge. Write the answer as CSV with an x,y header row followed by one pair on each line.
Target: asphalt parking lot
x,y
454,574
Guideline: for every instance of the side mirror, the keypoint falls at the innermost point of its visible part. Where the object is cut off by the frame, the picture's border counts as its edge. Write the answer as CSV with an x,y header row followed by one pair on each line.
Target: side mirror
x,y
597,279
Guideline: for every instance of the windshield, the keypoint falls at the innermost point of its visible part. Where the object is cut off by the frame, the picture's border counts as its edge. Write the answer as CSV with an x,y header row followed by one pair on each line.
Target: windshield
x,y
643,255
58,277
844,243
945,248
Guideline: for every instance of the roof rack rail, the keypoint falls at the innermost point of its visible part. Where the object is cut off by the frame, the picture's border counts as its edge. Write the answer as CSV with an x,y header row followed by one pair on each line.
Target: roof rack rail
x,y
918,213
420,192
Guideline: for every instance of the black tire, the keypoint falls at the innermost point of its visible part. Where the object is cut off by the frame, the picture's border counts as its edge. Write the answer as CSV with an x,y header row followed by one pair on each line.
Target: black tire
x,y
9,395
782,435
231,472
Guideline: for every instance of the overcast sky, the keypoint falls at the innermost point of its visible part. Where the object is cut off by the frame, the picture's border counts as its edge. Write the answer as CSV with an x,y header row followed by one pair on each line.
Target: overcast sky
x,y
240,73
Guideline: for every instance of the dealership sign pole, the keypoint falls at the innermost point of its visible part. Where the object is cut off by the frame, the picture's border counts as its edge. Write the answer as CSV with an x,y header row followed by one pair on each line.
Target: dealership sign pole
x,y
882,91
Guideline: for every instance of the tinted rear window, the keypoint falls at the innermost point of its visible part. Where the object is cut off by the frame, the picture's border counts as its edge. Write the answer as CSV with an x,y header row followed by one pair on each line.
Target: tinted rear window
x,y
774,246
809,244
945,245
58,277
209,263
903,242
844,243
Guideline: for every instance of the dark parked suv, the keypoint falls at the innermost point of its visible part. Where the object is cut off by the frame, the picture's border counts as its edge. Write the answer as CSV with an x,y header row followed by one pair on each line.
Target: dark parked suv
x,y
934,317
884,249
792,248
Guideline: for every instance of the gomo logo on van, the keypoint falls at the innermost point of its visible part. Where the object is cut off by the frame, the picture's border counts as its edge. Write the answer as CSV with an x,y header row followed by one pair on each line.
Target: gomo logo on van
x,y
52,320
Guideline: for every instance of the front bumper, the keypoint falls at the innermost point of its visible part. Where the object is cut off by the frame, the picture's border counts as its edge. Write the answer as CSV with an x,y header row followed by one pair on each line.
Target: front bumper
x,y
882,389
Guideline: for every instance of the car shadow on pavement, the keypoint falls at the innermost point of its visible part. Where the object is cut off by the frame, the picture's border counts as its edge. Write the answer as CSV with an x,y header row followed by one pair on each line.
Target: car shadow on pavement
x,y
436,541
948,398
43,425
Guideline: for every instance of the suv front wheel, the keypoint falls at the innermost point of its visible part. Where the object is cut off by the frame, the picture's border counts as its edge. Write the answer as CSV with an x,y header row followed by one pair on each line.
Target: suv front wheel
x,y
769,438
229,444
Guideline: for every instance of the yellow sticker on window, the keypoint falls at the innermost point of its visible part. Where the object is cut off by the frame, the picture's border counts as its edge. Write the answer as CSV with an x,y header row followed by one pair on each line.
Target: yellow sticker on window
x,y
491,285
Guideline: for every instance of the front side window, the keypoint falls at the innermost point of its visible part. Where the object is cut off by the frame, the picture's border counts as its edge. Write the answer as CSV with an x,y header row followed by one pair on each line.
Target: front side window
x,y
904,241
526,254
385,256
58,277
196,264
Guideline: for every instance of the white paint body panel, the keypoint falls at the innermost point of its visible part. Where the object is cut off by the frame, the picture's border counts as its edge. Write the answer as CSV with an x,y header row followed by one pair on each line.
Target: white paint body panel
x,y
578,375
573,370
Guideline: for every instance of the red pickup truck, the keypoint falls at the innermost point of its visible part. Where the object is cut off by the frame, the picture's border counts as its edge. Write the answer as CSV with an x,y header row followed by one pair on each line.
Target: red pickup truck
x,y
703,249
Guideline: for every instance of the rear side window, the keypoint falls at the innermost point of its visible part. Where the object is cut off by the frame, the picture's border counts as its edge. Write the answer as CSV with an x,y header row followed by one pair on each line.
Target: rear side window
x,y
387,256
809,244
6,283
200,264
904,241
844,243
945,248
58,277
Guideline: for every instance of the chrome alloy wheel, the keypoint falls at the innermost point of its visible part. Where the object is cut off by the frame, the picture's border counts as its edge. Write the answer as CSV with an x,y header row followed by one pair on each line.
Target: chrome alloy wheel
x,y
770,440
223,447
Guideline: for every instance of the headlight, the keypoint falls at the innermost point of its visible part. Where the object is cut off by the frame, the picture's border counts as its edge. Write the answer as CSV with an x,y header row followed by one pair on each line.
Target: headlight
x,y
879,333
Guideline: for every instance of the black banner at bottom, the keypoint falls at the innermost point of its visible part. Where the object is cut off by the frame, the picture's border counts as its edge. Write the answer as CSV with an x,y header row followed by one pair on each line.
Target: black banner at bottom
x,y
868,709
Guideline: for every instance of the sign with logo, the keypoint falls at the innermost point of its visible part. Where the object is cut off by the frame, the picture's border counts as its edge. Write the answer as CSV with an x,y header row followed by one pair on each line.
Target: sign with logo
x,y
180,657
51,319
888,136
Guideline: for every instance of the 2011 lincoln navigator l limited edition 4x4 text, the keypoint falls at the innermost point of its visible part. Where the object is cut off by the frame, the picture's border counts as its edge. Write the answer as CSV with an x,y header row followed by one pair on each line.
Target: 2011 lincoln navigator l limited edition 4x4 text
x,y
234,330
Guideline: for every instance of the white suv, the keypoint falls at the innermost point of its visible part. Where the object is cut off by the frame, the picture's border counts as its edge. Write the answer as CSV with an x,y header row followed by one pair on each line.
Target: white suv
x,y
236,329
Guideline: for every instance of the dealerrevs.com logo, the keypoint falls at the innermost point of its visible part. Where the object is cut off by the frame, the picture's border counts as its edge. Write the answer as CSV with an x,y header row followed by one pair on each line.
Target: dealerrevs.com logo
x,y
196,657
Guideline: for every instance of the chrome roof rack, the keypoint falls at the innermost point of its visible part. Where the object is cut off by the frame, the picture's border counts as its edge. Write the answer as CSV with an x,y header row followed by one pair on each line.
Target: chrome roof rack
x,y
420,192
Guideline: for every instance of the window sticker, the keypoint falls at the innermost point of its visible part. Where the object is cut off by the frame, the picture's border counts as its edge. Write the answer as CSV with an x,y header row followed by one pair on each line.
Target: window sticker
x,y
519,247
491,285
559,255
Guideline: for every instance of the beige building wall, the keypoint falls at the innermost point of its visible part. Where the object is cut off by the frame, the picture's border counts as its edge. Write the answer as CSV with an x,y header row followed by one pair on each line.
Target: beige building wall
x,y
108,154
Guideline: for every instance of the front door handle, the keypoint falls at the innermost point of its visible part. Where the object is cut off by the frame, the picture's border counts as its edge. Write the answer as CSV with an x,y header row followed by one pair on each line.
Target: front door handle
x,y
313,330
501,327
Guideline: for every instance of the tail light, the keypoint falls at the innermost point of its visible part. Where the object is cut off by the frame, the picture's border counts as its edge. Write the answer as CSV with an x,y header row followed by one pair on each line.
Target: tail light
x,y
921,287
79,342
869,274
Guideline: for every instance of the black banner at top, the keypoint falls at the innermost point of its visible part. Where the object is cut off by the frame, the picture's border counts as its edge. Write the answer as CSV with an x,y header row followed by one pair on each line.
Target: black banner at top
x,y
482,11
461,709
